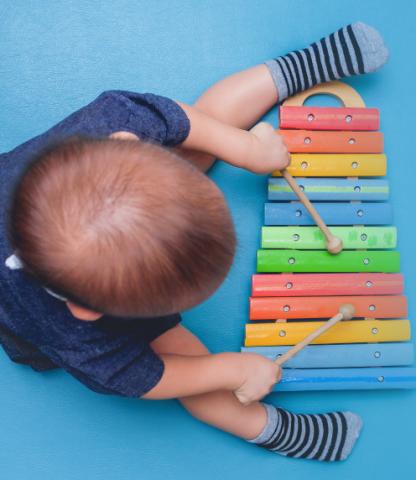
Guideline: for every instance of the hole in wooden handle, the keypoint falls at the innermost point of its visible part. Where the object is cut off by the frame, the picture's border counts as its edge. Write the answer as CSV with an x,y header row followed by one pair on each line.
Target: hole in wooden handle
x,y
345,93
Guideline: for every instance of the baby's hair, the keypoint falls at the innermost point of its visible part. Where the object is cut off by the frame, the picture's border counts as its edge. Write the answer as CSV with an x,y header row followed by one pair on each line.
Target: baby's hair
x,y
122,227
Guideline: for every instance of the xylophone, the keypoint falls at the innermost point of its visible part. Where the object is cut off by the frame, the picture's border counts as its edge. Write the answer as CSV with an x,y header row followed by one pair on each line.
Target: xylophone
x,y
336,153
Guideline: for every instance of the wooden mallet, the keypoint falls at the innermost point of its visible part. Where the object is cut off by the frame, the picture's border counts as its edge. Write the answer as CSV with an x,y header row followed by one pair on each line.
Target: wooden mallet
x,y
346,312
350,98
333,243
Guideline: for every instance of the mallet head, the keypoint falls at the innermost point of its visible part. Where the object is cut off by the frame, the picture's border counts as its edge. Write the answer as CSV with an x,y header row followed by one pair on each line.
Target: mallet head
x,y
334,245
347,310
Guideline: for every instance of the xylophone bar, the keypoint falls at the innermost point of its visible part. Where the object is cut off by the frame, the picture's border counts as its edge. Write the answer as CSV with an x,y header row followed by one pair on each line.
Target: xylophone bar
x,y
323,284
335,213
303,261
351,331
329,118
366,306
309,141
346,379
311,238
343,356
331,189
336,165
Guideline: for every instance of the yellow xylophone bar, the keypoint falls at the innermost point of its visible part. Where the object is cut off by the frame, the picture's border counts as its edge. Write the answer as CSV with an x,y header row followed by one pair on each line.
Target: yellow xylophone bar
x,y
336,165
354,331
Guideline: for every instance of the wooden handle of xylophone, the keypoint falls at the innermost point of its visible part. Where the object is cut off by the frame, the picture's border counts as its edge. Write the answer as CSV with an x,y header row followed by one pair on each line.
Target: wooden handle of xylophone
x,y
346,312
333,243
344,92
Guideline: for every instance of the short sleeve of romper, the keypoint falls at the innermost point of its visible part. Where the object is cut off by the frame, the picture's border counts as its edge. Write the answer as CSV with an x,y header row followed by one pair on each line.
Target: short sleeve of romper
x,y
111,355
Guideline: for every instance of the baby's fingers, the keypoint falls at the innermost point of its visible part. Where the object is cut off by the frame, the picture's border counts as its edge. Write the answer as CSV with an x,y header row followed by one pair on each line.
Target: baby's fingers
x,y
288,159
242,398
278,375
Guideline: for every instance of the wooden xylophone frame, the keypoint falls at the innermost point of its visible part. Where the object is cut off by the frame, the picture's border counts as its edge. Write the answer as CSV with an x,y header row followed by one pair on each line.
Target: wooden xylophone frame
x,y
336,153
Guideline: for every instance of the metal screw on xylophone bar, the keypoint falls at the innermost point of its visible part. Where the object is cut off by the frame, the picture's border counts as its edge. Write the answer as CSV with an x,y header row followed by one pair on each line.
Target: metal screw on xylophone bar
x,y
333,243
346,312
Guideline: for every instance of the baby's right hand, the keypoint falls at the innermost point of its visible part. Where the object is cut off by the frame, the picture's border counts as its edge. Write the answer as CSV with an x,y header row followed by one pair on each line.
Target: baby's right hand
x,y
268,152
260,375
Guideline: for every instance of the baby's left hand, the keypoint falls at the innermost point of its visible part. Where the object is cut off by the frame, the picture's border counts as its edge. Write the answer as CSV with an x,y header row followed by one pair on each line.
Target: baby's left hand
x,y
268,151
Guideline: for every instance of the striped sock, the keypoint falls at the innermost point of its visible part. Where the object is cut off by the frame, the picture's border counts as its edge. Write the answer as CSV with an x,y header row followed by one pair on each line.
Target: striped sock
x,y
327,437
352,50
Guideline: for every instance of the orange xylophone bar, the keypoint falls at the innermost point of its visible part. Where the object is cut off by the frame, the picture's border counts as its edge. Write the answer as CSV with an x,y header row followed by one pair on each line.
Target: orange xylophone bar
x,y
309,141
374,306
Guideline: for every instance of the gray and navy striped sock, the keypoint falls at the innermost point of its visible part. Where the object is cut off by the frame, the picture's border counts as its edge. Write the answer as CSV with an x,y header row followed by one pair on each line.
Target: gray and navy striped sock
x,y
327,436
352,50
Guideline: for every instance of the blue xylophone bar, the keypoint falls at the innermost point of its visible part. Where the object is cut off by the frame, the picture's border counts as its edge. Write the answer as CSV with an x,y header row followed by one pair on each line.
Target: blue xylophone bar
x,y
346,379
333,213
344,355
330,189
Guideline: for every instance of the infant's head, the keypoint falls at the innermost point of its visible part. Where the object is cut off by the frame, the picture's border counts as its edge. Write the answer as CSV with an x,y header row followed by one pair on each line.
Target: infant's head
x,y
122,227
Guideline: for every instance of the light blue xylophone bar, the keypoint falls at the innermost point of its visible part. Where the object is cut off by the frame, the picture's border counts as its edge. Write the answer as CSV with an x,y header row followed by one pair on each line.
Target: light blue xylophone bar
x,y
331,189
341,356
294,379
334,213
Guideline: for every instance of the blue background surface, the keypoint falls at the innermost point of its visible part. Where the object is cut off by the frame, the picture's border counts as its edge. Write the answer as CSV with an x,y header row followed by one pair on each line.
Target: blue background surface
x,y
56,56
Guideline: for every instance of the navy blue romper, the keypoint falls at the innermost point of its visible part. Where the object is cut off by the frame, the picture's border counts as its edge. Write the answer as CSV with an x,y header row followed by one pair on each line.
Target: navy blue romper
x,y
111,355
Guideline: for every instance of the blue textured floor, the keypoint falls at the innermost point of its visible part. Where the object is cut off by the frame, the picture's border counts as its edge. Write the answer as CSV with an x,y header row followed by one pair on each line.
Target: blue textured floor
x,y
57,55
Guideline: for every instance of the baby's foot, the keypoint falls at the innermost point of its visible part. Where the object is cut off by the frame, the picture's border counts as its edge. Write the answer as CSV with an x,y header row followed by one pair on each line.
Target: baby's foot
x,y
326,437
352,50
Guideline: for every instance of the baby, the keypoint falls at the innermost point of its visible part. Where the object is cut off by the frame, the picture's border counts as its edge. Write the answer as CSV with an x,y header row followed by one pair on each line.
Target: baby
x,y
109,227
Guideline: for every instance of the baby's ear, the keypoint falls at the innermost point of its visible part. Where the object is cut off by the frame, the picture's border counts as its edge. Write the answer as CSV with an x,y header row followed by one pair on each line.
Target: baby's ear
x,y
83,313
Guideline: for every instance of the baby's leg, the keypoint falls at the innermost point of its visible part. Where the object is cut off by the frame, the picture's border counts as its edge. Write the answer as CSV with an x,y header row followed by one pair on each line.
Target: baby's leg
x,y
219,409
321,437
241,99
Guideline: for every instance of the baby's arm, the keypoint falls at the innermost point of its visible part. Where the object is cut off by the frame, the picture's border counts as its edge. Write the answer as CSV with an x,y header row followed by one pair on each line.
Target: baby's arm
x,y
238,101
249,376
259,150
